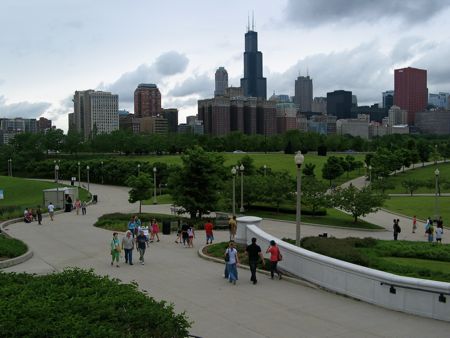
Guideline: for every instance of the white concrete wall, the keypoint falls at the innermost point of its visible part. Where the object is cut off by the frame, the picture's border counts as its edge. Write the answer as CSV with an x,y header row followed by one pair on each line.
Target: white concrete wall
x,y
359,282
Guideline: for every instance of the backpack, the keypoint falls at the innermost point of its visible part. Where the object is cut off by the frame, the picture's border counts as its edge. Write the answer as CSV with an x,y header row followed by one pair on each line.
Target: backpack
x,y
280,256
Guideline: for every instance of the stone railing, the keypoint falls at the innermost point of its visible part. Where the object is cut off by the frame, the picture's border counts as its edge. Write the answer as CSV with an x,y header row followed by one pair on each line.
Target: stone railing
x,y
410,295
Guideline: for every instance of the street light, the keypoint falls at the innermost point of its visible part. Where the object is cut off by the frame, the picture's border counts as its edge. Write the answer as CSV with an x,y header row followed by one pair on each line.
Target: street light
x,y
10,167
87,170
436,206
233,172
241,168
154,185
299,158
139,168
265,169
79,175
102,170
56,180
370,174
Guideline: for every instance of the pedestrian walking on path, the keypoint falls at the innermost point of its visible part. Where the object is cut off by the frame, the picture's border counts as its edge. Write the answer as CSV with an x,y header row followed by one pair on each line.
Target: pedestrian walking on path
x,y
414,228
397,228
191,236
154,230
275,257
254,254
232,226
77,206
51,210
231,260
128,246
209,232
83,208
141,243
39,215
429,231
439,231
115,249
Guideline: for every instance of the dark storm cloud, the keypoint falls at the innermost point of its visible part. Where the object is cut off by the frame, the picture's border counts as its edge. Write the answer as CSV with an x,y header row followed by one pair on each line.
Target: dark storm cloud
x,y
23,109
200,85
318,12
166,64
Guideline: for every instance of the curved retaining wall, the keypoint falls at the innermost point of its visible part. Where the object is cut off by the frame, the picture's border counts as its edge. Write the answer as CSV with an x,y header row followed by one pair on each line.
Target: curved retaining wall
x,y
16,260
411,295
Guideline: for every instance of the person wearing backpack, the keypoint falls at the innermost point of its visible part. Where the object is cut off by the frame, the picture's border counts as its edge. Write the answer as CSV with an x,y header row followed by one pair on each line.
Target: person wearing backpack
x,y
397,228
275,257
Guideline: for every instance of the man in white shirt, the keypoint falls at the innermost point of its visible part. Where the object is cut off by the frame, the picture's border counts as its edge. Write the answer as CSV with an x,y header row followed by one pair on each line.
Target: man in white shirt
x,y
51,210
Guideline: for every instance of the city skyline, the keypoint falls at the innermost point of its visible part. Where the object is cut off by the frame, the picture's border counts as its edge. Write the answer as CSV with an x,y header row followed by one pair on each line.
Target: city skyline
x,y
56,49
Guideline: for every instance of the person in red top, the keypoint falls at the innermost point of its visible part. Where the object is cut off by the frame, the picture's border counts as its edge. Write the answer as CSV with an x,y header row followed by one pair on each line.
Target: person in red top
x,y
275,257
209,232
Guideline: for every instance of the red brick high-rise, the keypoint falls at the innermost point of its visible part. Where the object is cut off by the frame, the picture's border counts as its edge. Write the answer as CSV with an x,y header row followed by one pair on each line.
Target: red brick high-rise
x,y
147,100
410,91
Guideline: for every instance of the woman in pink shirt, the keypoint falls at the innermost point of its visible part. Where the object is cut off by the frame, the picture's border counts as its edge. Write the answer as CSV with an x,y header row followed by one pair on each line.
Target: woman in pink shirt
x,y
77,206
275,257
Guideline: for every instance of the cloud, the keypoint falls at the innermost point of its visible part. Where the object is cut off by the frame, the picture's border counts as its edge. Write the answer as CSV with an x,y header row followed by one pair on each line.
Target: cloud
x,y
438,67
315,13
200,85
23,109
167,64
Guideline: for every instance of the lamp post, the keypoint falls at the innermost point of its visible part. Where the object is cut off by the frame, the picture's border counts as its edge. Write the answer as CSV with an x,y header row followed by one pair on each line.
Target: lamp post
x,y
299,158
139,168
87,171
102,170
10,167
154,185
436,205
233,172
241,168
265,170
56,180
370,174
79,176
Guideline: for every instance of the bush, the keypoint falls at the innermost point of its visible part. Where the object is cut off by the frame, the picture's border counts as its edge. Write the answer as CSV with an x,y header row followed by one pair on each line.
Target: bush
x,y
77,303
10,247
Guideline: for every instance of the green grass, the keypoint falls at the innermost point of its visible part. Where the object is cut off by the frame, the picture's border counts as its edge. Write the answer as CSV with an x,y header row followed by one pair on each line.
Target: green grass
x,y
422,174
21,193
334,218
434,266
420,206
10,247
160,199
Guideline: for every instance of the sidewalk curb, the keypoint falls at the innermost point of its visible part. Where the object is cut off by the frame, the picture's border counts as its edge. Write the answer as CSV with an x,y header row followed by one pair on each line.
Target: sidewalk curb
x,y
267,273
16,260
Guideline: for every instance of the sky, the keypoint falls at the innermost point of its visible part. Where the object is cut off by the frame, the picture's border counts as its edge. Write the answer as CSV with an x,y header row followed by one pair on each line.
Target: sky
x,y
51,48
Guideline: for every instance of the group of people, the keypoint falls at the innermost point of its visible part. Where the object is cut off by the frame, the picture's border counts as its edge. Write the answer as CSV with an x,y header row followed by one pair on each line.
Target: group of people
x,y
127,245
30,215
254,254
186,234
151,231
431,230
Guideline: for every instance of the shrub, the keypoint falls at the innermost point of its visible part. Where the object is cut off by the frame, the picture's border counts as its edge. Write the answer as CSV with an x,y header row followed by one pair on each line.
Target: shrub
x,y
11,247
77,303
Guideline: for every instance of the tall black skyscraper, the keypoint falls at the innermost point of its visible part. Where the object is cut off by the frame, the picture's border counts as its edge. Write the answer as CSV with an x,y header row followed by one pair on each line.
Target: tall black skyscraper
x,y
253,83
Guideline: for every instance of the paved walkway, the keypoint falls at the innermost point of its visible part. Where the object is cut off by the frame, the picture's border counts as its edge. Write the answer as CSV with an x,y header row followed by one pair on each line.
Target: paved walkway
x,y
272,308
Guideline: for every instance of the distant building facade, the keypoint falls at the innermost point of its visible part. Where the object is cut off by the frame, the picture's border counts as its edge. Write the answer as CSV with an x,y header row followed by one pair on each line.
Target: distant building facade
x,y
387,99
433,122
319,105
355,127
397,116
339,104
147,100
440,100
171,115
303,93
44,124
411,92
221,81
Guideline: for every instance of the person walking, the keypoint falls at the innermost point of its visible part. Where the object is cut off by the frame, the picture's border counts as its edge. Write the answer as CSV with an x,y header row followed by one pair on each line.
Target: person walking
x,y
275,257
51,210
430,232
83,208
232,226
397,228
414,228
77,206
115,249
191,236
184,233
128,246
439,232
254,254
141,243
154,230
39,214
131,226
209,232
231,259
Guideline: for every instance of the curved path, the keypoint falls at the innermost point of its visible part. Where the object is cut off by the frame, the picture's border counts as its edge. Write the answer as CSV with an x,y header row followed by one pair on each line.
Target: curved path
x,y
271,308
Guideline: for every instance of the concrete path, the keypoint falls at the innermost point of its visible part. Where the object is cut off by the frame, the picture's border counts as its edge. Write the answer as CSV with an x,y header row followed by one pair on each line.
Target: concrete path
x,y
271,308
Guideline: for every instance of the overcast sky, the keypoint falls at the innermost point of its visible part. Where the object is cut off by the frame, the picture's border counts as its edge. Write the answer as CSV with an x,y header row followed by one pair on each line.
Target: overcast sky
x,y
50,48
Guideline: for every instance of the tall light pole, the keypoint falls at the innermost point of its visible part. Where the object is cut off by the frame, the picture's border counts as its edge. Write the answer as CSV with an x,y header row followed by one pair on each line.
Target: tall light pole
x,y
370,175
79,176
299,158
154,185
139,168
87,171
241,168
265,170
10,167
102,170
436,205
233,172
56,180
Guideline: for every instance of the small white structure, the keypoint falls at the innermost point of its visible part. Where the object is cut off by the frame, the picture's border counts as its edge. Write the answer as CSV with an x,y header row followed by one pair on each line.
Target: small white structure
x,y
58,196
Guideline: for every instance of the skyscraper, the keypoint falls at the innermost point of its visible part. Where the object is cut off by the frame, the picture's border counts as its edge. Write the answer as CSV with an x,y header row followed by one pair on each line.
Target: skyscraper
x,y
388,99
253,83
147,100
339,104
303,93
221,78
411,92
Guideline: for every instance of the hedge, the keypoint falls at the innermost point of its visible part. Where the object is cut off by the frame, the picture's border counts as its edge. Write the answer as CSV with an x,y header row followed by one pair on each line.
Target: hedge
x,y
11,247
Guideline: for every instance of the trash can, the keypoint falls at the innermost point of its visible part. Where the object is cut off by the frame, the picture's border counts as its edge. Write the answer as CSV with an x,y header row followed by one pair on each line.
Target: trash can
x,y
166,228
94,199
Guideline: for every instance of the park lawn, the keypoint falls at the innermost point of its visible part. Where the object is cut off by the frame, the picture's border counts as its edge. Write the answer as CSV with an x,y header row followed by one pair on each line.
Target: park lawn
x,y
23,193
422,174
434,266
160,199
11,247
333,218
421,206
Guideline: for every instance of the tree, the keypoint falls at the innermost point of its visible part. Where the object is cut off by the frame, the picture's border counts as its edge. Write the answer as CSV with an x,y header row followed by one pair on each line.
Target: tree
x,y
308,169
314,194
332,168
278,188
423,148
53,140
382,184
197,185
357,202
411,185
141,188
249,166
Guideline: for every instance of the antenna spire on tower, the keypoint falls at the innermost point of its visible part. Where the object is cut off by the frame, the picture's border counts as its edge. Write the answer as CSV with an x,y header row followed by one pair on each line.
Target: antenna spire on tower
x,y
248,21
253,20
